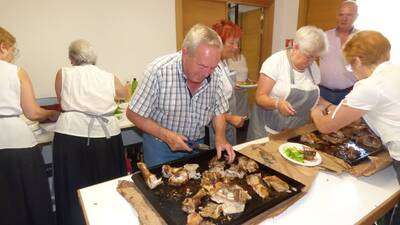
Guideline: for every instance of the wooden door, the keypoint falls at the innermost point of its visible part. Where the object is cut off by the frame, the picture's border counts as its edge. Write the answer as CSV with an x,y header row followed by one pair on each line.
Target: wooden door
x,y
320,13
251,23
191,12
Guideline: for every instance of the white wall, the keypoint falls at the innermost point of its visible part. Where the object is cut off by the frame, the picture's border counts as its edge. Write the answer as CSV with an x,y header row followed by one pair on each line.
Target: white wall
x,y
127,34
285,24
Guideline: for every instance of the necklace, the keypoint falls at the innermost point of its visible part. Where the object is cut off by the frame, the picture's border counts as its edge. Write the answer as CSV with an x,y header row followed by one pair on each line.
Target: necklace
x,y
292,64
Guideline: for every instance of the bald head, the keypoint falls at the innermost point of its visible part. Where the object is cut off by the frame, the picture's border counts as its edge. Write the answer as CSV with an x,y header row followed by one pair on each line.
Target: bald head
x,y
347,15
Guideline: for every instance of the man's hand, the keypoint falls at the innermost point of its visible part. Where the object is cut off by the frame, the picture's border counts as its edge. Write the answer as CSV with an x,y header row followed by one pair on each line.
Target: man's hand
x,y
221,144
176,141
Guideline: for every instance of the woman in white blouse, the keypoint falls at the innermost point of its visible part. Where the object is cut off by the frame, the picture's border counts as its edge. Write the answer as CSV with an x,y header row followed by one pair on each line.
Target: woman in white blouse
x,y
288,85
375,97
24,189
87,142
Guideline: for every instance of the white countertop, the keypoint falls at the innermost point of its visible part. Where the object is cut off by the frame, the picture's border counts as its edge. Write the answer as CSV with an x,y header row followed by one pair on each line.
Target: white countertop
x,y
332,200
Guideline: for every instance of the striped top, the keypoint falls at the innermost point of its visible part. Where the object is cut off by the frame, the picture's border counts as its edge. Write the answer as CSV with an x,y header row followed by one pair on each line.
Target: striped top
x,y
164,97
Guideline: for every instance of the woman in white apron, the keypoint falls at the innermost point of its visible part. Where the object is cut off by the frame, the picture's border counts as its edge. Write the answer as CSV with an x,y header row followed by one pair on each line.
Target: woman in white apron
x,y
230,34
24,188
87,143
288,85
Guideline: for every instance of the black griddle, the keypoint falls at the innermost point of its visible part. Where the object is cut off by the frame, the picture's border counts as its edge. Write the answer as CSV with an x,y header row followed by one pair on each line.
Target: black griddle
x,y
167,200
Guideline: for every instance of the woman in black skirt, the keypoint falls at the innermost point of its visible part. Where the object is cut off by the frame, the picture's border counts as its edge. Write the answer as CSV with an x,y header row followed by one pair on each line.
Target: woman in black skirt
x,y
24,188
87,144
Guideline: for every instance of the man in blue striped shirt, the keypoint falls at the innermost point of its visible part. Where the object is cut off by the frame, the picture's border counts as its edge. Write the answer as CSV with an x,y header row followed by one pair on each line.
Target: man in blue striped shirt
x,y
181,93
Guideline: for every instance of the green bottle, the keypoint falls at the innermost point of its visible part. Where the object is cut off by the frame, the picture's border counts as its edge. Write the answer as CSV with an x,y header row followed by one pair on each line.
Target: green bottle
x,y
134,84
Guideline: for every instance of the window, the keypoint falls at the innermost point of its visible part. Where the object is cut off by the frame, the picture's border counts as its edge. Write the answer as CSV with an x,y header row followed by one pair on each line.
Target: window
x,y
382,16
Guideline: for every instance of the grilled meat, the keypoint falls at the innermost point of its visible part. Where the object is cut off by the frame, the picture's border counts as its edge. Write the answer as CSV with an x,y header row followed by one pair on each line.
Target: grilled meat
x,y
234,171
150,179
192,171
369,141
189,204
334,138
212,210
194,219
310,138
176,175
211,181
233,199
276,183
254,180
214,162
247,164
309,153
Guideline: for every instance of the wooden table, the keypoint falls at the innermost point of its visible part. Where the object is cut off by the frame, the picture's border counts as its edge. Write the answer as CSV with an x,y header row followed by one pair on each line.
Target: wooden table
x,y
332,200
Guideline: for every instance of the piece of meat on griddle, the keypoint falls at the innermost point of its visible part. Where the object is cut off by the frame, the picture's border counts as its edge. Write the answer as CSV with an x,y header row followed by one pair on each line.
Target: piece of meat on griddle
x,y
247,164
189,205
334,138
276,183
176,175
233,198
211,181
192,170
195,219
255,181
352,153
235,171
369,141
211,210
150,179
215,162
310,138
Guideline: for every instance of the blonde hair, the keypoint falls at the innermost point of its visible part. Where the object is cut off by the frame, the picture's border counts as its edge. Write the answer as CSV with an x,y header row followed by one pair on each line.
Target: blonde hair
x,y
201,34
370,46
6,37
311,40
82,52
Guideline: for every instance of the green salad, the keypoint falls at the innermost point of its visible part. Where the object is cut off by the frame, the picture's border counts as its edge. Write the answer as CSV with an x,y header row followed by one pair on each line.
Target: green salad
x,y
118,113
294,153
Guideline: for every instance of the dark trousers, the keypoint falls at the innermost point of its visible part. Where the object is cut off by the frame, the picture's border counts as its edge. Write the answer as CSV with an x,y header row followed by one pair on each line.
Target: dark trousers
x,y
334,96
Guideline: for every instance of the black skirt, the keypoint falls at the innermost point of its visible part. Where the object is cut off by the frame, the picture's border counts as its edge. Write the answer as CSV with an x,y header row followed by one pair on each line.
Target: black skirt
x,y
24,188
77,165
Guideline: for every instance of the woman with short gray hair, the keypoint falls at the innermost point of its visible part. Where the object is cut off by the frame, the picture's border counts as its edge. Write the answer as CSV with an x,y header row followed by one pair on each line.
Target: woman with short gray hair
x,y
288,85
87,146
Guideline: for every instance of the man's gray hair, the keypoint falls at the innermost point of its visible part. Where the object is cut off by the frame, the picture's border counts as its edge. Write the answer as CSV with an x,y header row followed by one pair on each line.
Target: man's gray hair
x,y
349,2
81,52
311,40
201,34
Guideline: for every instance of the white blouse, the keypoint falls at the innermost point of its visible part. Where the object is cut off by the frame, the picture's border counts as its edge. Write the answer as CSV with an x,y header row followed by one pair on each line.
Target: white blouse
x,y
88,89
15,132
277,67
379,96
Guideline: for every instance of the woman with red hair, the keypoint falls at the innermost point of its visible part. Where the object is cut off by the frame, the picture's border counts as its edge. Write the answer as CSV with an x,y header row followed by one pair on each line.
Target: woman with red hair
x,y
230,34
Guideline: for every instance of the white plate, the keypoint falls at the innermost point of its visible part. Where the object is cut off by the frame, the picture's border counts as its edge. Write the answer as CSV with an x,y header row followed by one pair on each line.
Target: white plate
x,y
315,162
